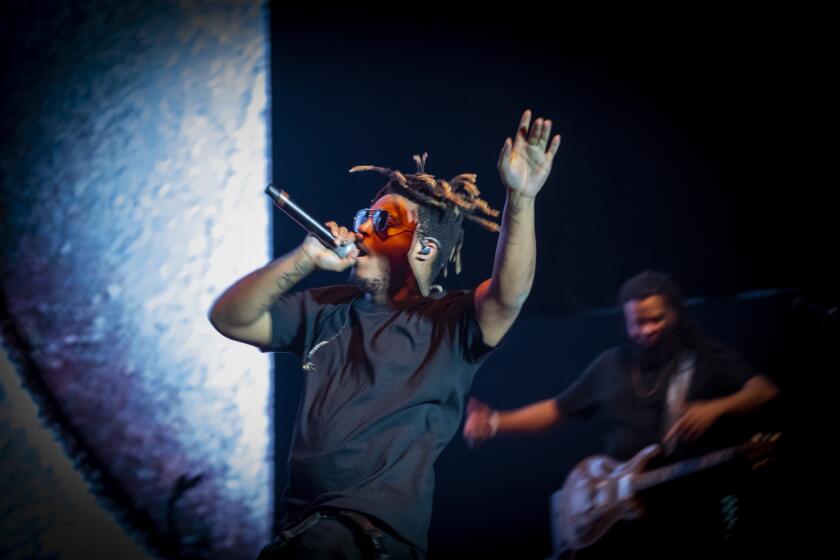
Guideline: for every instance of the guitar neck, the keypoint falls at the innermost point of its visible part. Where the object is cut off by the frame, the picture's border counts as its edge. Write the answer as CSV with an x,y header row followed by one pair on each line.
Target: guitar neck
x,y
661,475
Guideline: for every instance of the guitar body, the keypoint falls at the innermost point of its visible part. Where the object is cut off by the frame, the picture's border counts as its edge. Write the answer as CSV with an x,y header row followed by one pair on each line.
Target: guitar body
x,y
600,491
597,493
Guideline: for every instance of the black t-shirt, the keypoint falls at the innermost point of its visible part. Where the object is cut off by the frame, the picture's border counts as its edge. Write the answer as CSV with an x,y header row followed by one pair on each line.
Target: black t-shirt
x,y
384,394
635,421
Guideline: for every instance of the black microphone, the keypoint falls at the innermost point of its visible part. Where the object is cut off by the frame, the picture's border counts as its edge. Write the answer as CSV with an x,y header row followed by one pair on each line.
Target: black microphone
x,y
283,202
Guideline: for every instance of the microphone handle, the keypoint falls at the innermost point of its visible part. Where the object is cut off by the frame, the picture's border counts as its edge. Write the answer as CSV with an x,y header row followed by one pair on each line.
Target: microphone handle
x,y
303,219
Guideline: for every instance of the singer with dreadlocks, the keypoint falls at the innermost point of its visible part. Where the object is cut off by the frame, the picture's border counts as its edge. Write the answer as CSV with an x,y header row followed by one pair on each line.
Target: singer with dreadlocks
x,y
388,359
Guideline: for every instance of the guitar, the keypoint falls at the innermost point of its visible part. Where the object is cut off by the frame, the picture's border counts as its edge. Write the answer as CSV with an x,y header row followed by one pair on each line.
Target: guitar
x,y
599,491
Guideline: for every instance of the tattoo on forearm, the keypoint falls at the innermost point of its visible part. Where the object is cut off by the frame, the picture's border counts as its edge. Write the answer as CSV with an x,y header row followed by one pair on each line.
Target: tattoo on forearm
x,y
289,279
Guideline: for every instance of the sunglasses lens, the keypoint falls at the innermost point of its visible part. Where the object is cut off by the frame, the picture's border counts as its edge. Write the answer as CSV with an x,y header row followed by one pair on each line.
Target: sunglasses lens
x,y
359,219
380,220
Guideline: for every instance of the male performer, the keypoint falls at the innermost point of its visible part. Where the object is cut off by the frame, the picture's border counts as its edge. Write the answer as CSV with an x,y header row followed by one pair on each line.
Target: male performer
x,y
388,362
668,384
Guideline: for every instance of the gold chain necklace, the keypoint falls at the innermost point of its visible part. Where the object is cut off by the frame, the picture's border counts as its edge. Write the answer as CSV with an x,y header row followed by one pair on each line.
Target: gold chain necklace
x,y
638,386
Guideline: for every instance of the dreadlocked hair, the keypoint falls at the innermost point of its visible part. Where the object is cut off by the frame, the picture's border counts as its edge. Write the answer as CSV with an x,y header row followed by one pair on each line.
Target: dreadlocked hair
x,y
443,206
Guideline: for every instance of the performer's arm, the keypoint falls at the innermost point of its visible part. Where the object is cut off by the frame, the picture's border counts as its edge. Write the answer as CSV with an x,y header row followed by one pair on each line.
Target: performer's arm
x,y
524,165
242,311
484,423
699,416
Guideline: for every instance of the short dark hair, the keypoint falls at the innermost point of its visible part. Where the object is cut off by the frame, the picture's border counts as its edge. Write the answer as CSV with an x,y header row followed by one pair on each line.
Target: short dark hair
x,y
651,283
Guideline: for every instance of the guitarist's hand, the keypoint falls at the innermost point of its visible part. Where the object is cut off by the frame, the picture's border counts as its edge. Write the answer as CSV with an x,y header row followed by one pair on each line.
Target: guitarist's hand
x,y
698,417
480,425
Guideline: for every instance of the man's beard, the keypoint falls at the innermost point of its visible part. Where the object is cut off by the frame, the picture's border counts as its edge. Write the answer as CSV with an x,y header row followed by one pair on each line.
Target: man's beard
x,y
660,354
373,286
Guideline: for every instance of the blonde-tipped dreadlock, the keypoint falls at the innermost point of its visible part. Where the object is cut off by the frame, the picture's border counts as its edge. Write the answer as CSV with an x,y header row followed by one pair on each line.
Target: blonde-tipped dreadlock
x,y
454,200
460,192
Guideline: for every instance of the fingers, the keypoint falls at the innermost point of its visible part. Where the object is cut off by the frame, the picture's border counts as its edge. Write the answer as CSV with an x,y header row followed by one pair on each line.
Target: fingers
x,y
342,235
686,429
350,259
524,123
545,133
469,430
474,433
687,435
473,405
540,134
536,132
693,432
336,231
552,149
675,430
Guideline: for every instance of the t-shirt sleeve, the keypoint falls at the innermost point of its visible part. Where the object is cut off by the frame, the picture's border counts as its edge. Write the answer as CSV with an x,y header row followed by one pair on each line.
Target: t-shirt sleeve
x,y
290,323
456,313
475,349
728,371
583,397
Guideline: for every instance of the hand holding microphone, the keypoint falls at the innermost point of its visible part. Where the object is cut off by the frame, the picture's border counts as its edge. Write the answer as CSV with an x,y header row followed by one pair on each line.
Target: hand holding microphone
x,y
330,248
328,259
